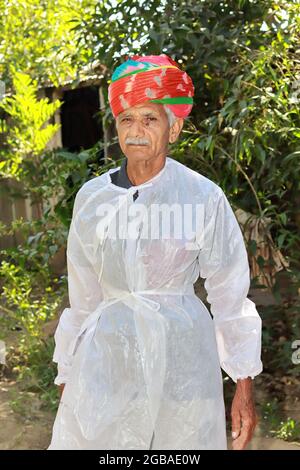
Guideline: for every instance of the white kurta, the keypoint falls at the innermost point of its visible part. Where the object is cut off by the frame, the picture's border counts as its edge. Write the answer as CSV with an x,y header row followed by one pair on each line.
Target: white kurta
x,y
139,352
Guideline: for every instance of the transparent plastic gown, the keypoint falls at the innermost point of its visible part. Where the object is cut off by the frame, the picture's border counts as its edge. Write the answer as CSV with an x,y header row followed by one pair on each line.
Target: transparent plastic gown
x,y
139,352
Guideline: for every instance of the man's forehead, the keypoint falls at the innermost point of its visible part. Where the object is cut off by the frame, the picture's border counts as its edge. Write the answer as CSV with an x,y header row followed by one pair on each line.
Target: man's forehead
x,y
143,109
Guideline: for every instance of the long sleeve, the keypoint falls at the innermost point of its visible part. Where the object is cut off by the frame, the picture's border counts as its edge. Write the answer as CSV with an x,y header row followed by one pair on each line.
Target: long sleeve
x,y
223,263
84,295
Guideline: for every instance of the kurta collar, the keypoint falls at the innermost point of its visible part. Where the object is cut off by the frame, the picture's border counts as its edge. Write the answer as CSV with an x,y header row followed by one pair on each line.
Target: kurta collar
x,y
122,169
120,178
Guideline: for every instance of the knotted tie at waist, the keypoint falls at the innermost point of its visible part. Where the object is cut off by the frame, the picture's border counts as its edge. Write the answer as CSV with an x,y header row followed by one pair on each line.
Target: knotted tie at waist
x,y
139,296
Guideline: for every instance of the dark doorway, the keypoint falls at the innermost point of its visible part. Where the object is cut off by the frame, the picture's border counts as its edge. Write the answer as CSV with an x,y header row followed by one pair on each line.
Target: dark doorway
x,y
81,128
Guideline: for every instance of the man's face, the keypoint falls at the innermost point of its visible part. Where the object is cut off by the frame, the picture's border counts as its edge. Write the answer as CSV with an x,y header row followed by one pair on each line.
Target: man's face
x,y
144,131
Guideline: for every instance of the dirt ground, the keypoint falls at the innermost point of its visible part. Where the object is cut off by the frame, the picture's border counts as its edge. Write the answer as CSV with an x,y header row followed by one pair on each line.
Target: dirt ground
x,y
24,425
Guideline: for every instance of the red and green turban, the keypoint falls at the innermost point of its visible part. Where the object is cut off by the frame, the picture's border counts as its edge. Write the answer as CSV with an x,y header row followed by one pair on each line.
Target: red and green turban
x,y
152,78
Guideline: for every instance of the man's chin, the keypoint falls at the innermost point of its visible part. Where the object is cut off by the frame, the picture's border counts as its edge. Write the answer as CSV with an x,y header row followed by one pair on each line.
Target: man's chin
x,y
137,149
138,154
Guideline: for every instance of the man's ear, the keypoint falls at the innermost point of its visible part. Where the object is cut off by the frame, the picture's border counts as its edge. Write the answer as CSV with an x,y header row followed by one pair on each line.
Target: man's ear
x,y
175,130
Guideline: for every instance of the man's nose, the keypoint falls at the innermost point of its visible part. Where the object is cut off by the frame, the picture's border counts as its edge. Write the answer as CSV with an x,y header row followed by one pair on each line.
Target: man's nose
x,y
136,129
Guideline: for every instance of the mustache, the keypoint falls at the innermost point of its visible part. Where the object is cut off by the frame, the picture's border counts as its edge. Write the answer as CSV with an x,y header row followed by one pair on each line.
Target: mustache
x,y
131,141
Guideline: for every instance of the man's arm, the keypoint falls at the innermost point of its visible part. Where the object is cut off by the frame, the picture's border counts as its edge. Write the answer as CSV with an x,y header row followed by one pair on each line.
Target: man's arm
x,y
84,289
223,263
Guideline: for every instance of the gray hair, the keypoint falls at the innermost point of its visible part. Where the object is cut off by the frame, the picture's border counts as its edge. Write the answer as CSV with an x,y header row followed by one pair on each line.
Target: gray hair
x,y
170,115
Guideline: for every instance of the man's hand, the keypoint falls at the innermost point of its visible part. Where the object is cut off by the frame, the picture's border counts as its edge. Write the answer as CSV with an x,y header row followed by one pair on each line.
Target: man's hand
x,y
61,389
243,414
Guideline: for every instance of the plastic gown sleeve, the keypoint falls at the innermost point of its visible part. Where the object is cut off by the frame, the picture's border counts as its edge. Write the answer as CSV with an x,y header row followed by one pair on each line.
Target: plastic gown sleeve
x,y
223,263
84,296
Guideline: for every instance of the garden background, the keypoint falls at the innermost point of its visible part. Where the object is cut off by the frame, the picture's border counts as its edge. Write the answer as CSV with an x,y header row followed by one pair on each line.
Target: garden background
x,y
57,131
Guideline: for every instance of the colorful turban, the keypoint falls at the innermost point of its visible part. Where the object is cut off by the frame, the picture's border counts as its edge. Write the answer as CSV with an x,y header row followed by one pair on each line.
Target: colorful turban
x,y
152,78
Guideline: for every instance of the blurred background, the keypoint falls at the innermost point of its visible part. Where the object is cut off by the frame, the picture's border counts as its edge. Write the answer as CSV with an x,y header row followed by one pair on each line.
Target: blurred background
x,y
57,132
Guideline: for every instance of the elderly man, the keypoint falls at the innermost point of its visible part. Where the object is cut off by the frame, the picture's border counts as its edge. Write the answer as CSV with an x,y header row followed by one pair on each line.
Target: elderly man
x,y
139,355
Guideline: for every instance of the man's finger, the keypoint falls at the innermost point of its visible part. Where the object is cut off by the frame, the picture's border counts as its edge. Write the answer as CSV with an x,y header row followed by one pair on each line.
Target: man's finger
x,y
235,425
245,436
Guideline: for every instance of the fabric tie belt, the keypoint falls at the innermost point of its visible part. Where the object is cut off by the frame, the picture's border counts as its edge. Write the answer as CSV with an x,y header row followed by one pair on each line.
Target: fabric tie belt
x,y
139,295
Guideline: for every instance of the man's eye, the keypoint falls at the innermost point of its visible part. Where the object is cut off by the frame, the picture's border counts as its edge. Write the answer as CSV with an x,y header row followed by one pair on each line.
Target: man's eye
x,y
152,118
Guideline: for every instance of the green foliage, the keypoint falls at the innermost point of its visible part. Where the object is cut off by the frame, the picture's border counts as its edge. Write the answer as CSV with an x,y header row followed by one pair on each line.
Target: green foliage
x,y
23,302
35,371
28,133
287,429
38,36
27,304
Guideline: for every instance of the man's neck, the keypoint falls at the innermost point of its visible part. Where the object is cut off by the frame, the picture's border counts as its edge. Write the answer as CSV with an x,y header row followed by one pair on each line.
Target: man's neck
x,y
141,172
